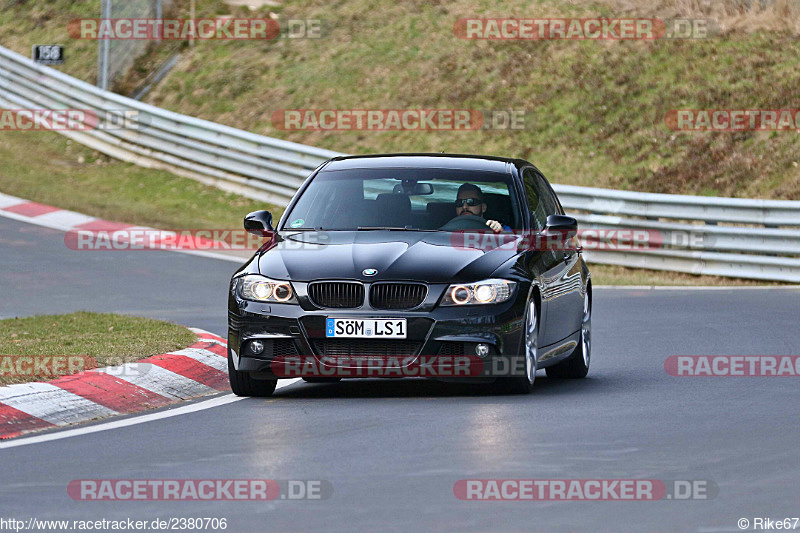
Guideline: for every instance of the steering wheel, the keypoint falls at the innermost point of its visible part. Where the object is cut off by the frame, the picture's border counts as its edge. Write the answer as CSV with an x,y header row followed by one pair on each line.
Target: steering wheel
x,y
466,222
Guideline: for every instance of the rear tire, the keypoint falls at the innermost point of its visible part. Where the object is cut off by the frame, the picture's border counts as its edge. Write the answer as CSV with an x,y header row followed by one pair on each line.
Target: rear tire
x,y
242,384
576,366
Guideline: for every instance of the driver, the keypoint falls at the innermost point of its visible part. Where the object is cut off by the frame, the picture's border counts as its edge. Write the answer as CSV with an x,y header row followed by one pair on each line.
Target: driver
x,y
470,202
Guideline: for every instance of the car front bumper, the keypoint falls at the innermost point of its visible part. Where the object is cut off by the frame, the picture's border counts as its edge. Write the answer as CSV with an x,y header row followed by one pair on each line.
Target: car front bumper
x,y
288,330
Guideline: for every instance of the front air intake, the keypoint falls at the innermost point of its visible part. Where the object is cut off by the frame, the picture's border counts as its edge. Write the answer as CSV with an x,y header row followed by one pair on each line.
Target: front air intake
x,y
397,295
336,294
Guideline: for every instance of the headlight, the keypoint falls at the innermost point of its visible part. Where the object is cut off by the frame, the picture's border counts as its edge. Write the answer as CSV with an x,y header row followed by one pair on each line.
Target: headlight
x,y
488,291
261,289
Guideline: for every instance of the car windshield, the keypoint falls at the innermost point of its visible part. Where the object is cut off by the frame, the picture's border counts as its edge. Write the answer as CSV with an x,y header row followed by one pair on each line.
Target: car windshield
x,y
398,199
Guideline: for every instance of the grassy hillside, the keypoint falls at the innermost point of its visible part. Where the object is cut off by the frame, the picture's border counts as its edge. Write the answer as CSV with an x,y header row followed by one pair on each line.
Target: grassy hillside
x,y
594,110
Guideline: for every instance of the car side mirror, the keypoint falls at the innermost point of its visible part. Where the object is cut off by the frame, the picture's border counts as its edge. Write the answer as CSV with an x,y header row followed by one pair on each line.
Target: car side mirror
x,y
559,230
561,223
259,223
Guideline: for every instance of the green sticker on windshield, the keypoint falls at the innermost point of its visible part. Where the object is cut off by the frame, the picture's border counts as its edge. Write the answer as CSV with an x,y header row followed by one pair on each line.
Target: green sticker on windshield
x,y
297,223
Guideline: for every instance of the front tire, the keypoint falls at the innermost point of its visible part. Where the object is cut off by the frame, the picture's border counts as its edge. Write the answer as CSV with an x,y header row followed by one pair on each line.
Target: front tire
x,y
524,384
242,384
576,366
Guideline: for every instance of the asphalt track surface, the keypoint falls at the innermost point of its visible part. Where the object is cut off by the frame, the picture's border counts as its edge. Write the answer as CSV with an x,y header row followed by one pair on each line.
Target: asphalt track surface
x,y
394,449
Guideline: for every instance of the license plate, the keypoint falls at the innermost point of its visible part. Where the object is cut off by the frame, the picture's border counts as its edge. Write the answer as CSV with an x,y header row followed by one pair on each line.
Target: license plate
x,y
366,328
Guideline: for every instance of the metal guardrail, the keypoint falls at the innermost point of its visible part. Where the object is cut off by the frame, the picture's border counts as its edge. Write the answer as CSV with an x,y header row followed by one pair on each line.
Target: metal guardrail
x,y
765,246
258,166
760,238
683,207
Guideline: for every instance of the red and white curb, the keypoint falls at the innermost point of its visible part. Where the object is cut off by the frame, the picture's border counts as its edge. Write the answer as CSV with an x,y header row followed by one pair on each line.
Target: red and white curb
x,y
64,220
160,380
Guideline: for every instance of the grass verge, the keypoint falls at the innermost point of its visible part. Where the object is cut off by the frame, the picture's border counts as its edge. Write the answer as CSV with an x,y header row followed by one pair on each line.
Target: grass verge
x,y
48,168
102,338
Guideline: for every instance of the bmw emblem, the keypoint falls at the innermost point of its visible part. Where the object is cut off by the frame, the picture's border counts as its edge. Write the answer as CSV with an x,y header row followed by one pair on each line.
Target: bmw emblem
x,y
369,272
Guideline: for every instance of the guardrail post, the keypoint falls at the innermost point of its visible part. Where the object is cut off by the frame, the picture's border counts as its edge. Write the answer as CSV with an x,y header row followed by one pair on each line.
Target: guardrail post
x,y
191,16
159,16
103,50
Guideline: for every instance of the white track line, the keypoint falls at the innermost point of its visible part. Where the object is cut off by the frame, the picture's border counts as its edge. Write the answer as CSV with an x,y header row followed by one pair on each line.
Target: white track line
x,y
219,340
186,409
223,343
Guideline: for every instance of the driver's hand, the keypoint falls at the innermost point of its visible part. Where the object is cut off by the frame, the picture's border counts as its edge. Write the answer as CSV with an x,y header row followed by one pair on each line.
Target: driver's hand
x,y
495,225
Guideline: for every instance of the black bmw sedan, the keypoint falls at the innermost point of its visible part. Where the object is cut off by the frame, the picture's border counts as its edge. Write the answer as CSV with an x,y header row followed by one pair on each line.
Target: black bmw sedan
x,y
430,265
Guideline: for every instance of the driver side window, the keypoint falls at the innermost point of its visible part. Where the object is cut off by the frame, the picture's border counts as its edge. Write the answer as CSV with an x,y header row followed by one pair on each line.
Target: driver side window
x,y
537,196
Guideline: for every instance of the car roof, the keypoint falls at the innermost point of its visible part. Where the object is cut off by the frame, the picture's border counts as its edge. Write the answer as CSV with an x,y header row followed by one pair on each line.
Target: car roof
x,y
422,160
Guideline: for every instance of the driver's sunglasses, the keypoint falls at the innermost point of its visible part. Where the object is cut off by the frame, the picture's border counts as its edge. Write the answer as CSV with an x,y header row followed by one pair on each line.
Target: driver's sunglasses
x,y
472,202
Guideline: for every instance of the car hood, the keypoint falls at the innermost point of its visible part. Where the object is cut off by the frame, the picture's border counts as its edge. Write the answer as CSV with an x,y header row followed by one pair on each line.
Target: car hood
x,y
434,257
